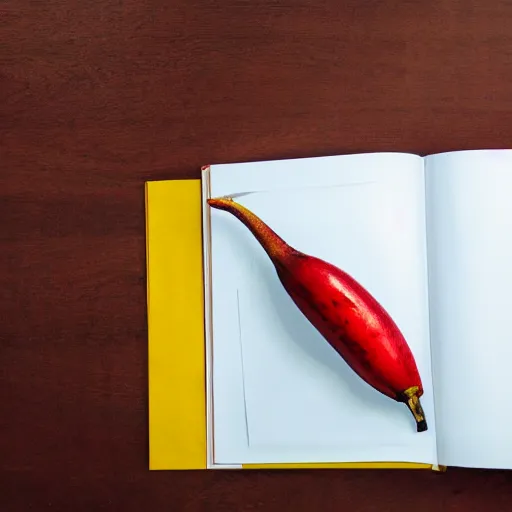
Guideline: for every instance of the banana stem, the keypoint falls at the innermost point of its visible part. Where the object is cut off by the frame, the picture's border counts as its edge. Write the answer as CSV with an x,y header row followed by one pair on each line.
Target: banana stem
x,y
414,405
271,242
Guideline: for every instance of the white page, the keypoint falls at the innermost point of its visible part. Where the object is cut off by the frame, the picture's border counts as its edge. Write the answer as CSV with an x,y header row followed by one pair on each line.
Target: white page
x,y
470,254
280,393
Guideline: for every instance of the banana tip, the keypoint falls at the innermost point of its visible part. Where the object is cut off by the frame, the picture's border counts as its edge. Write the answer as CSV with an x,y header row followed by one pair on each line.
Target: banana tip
x,y
421,426
411,397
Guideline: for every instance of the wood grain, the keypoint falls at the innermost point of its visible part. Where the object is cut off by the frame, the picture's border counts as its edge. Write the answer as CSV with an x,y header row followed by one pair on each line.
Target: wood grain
x,y
99,96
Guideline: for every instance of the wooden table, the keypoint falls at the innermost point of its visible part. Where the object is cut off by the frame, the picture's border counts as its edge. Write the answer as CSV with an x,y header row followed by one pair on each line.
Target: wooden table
x,y
99,96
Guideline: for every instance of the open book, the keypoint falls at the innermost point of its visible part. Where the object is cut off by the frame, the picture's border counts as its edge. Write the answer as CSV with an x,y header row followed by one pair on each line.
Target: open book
x,y
430,238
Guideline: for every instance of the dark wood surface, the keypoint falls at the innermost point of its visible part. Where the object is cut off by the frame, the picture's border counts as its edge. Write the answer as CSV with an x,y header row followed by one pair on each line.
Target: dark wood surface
x,y
99,96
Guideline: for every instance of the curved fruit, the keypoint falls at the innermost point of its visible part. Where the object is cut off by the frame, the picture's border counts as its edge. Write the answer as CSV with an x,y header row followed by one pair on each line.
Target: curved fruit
x,y
344,312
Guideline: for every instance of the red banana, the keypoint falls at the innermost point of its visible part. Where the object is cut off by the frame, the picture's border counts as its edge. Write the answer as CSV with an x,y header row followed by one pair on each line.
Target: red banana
x,y
344,312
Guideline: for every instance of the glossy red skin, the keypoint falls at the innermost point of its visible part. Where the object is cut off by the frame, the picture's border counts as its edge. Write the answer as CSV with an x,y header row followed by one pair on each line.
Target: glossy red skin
x,y
352,321
342,310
